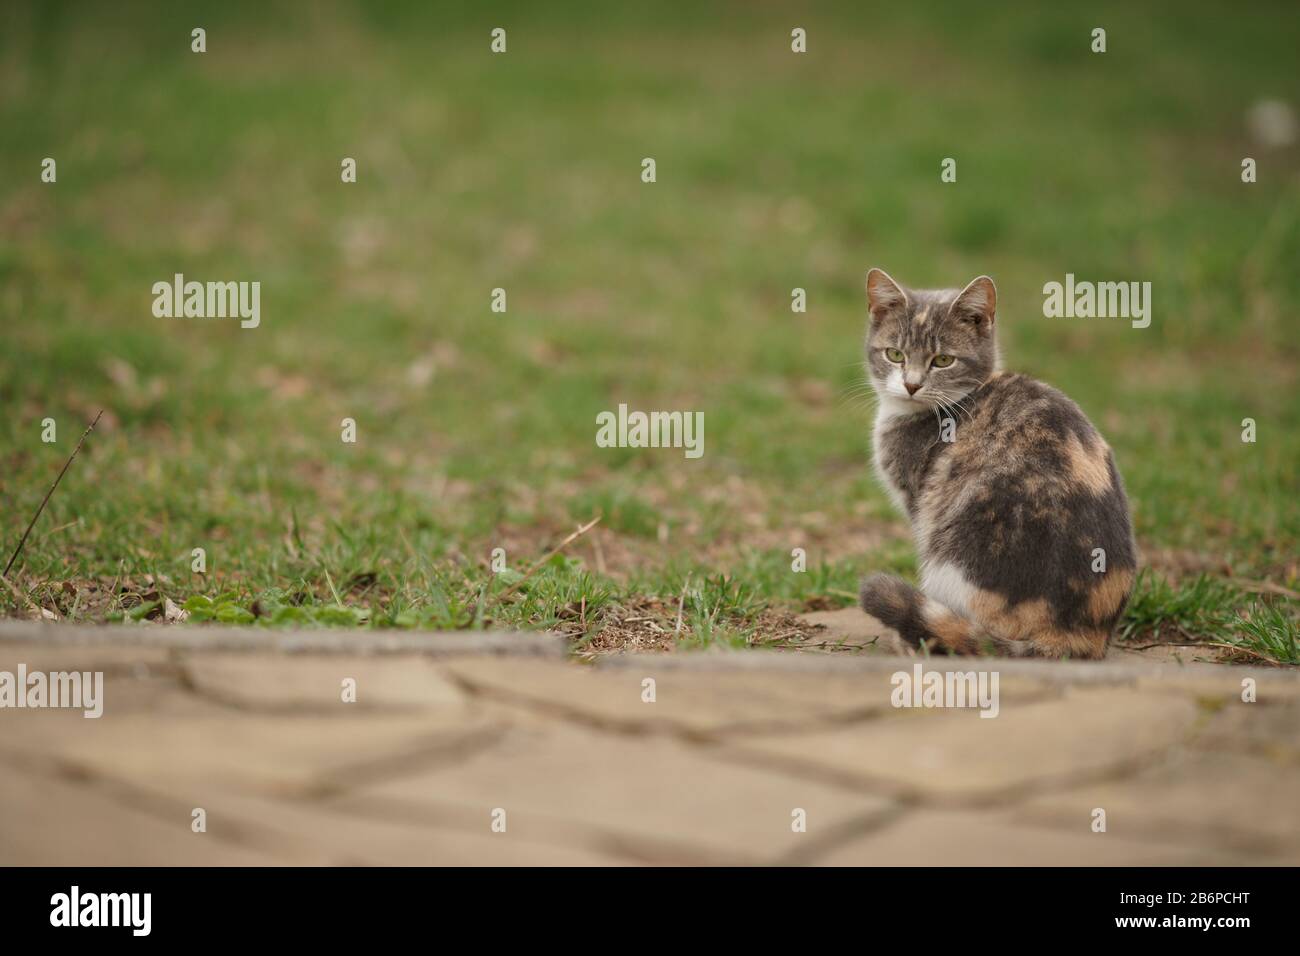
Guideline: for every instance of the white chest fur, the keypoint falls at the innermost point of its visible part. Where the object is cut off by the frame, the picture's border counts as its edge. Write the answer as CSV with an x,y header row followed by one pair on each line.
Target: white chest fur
x,y
890,410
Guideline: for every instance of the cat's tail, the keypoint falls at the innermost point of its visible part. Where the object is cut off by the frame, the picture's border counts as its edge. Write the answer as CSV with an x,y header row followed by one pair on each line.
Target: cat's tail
x,y
917,618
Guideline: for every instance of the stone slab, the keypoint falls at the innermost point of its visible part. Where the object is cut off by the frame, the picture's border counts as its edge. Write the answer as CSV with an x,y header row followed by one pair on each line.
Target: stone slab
x,y
708,702
1233,802
174,741
49,821
954,757
954,838
649,798
327,833
283,640
315,683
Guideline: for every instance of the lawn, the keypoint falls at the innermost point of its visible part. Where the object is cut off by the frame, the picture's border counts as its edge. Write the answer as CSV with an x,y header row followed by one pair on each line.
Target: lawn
x,y
522,171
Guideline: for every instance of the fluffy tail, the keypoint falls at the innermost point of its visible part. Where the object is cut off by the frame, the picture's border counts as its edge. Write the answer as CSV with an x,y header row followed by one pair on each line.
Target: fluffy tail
x,y
917,618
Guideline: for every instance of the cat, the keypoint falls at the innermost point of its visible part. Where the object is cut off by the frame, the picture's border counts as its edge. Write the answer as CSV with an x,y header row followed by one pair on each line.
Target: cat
x,y
1022,528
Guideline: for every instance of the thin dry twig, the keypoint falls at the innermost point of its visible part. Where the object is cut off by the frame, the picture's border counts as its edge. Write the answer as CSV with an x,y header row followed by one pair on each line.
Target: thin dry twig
x,y
833,645
1265,587
1243,650
1232,647
46,500
583,529
1143,647
62,527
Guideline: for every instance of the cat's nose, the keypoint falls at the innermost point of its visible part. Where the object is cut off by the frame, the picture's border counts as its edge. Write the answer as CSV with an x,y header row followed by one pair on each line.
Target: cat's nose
x,y
912,389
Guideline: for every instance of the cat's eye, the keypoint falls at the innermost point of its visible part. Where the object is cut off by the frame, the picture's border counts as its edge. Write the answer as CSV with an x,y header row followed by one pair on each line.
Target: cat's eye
x,y
942,361
894,356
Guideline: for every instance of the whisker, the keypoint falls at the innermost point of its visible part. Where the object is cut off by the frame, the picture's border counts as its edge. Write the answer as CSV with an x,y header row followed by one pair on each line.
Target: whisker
x,y
953,403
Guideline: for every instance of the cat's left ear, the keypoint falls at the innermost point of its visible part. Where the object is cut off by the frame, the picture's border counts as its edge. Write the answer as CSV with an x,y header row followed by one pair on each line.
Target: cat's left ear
x,y
977,303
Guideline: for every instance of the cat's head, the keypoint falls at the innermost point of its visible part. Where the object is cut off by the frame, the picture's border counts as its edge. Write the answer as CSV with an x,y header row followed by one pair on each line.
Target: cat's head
x,y
927,348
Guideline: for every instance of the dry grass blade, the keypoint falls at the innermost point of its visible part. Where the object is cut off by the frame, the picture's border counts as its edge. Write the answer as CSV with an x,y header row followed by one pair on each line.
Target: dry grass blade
x,y
550,554
46,500
681,602
1265,587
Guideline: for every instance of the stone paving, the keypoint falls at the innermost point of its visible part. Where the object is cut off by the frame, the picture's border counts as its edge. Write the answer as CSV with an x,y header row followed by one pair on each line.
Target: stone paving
x,y
488,749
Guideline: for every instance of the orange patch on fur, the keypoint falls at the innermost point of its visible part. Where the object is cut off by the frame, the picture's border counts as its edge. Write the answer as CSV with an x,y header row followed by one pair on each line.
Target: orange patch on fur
x,y
1033,484
1030,624
1109,593
954,633
1087,644
1088,466
1019,622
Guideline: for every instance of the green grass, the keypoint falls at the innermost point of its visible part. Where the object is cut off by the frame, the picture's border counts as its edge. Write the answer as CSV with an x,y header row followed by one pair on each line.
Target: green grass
x,y
1207,610
476,429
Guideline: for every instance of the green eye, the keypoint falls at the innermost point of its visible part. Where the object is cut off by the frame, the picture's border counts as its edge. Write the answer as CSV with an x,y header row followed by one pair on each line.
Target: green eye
x,y
894,356
942,361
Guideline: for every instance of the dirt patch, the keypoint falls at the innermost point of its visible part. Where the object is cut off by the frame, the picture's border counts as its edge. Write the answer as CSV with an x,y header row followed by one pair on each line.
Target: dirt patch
x,y
640,625
782,629
649,625
1178,563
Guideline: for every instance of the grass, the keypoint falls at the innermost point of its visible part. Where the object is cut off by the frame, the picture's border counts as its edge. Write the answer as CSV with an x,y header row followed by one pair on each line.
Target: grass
x,y
1217,612
522,171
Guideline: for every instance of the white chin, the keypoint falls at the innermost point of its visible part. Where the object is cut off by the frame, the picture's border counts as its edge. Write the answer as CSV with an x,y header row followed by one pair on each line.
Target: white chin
x,y
902,404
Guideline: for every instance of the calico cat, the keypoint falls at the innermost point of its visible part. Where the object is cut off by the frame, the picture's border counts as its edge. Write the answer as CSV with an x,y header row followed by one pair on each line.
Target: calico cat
x,y
1021,523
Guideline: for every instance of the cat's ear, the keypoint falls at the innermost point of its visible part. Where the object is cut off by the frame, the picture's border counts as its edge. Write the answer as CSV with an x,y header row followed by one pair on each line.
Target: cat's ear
x,y
884,295
977,303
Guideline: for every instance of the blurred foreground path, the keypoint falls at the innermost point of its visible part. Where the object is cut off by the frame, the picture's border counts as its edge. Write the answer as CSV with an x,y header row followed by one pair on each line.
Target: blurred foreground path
x,y
490,749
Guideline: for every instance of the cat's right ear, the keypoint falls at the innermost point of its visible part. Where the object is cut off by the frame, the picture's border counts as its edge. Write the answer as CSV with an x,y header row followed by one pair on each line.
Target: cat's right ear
x,y
884,295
